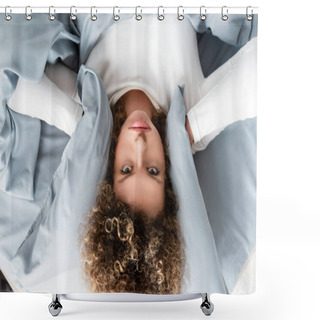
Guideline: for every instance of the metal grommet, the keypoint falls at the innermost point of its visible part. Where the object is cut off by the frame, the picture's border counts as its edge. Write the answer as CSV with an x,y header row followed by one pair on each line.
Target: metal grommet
x,y
224,13
203,13
72,14
6,15
138,16
116,17
180,15
28,13
160,16
51,15
249,16
93,16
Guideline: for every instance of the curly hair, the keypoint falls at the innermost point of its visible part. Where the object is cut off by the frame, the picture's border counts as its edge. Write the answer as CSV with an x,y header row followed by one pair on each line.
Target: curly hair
x,y
124,251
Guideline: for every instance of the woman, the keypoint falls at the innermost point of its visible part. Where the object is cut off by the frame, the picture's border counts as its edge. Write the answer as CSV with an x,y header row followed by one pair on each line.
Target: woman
x,y
142,63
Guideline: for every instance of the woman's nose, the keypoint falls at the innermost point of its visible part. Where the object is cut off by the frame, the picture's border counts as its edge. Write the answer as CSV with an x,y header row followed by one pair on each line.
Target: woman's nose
x,y
141,147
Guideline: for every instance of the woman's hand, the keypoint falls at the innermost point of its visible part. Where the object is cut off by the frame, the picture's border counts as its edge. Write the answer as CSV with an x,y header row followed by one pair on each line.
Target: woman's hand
x,y
189,130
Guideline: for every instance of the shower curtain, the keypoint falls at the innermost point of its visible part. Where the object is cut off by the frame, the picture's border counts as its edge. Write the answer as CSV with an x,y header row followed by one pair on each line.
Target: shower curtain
x,y
128,152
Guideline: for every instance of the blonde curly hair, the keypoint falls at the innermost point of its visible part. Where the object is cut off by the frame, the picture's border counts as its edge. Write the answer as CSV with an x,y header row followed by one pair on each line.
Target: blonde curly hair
x,y
124,251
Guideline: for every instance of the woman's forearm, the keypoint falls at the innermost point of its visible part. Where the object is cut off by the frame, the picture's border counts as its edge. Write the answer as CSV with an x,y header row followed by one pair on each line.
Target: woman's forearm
x,y
53,99
229,95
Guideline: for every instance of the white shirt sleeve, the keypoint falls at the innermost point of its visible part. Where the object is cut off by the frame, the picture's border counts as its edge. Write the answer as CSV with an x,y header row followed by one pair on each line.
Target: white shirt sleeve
x,y
229,95
53,101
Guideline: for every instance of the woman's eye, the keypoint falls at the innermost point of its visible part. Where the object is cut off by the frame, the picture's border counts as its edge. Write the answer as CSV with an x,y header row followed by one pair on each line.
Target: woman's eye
x,y
153,171
126,170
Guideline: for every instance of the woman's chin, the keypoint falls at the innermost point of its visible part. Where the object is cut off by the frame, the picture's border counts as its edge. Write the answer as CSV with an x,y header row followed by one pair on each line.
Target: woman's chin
x,y
137,116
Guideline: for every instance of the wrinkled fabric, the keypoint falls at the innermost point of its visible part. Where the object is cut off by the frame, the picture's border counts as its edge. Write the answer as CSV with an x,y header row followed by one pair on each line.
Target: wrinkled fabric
x,y
200,248
49,257
42,41
228,186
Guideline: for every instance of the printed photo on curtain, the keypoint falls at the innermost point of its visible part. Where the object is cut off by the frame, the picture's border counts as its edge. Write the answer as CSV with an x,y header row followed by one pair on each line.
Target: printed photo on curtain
x,y
128,153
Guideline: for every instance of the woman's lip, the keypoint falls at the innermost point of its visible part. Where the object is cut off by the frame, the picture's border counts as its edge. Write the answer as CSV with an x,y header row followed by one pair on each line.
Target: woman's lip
x,y
140,125
140,130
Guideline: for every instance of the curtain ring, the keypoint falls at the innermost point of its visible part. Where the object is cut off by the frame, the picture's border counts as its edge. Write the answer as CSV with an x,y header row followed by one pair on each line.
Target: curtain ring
x,y
51,15
6,15
28,13
116,17
93,16
72,14
138,16
180,15
203,13
249,16
160,16
224,13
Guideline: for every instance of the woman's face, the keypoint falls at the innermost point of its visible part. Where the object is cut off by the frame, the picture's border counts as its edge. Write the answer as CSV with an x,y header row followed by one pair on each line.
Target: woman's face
x,y
139,169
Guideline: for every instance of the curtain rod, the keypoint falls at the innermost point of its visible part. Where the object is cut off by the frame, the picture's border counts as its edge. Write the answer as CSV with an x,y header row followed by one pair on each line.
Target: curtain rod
x,y
129,10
